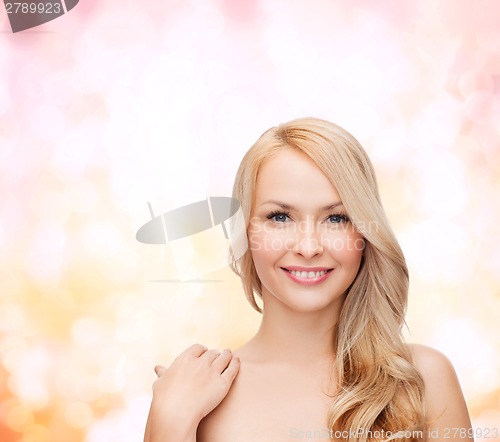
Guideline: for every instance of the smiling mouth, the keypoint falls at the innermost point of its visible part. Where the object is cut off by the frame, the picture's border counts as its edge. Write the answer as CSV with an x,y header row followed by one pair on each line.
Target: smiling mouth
x,y
307,274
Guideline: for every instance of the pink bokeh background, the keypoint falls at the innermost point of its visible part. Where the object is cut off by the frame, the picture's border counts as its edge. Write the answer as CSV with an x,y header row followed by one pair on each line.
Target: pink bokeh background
x,y
117,104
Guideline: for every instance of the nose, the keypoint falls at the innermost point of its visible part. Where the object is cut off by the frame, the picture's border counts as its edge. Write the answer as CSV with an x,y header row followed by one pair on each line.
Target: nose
x,y
308,240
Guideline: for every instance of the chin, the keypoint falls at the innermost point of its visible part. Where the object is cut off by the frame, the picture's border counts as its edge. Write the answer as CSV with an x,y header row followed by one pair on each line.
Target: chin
x,y
305,302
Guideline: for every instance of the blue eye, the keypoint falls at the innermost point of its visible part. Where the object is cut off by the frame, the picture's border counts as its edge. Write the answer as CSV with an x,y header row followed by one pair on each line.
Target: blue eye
x,y
338,218
279,217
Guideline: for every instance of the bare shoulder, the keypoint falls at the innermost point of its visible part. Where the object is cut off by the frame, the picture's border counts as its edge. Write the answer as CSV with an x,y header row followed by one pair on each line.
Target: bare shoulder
x,y
437,371
444,400
430,362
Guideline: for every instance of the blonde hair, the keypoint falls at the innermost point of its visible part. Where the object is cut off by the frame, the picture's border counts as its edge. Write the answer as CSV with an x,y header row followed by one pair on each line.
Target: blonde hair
x,y
380,392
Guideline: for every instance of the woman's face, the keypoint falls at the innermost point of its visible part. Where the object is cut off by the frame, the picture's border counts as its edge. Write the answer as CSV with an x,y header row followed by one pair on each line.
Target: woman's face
x,y
305,250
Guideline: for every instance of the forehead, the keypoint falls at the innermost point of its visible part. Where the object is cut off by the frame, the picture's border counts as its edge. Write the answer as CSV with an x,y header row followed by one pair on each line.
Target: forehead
x,y
292,177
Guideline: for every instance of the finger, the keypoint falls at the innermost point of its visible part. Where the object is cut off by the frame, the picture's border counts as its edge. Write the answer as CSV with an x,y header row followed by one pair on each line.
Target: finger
x,y
195,350
211,355
221,362
160,370
231,371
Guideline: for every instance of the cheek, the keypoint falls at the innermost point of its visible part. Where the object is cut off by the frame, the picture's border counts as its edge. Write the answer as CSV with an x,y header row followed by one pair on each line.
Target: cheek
x,y
263,256
347,247
266,242
260,247
266,248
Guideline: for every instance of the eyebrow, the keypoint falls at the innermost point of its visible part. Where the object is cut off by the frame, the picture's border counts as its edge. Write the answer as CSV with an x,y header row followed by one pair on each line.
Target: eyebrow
x,y
290,207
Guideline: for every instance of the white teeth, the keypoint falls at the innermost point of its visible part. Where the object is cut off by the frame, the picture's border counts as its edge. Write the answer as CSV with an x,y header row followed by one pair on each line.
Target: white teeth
x,y
307,275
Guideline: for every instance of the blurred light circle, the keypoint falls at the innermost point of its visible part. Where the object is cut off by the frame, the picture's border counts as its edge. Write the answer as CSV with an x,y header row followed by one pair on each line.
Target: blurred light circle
x,y
472,355
5,103
398,194
59,87
45,260
109,356
30,378
475,81
82,196
87,389
111,380
479,106
29,81
46,122
486,423
19,418
13,354
12,319
72,156
65,380
37,433
88,332
489,41
52,207
78,414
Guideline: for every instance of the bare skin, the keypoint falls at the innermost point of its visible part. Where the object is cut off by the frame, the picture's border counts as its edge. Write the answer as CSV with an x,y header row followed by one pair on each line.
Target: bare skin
x,y
447,410
276,401
280,390
270,401
193,385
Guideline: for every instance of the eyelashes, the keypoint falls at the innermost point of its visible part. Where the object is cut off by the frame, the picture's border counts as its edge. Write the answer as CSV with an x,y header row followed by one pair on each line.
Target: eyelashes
x,y
341,217
281,216
278,213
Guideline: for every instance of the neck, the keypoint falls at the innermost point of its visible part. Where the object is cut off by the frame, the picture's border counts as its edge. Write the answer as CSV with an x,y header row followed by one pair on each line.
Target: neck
x,y
294,337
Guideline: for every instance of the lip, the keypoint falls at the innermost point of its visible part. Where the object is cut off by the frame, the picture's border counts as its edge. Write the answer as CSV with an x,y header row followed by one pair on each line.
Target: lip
x,y
308,281
306,269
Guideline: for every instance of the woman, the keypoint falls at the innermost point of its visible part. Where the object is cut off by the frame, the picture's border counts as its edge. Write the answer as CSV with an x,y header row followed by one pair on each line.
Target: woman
x,y
328,360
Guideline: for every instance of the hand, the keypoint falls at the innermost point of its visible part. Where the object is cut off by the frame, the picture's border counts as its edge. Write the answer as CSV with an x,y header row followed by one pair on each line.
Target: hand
x,y
193,385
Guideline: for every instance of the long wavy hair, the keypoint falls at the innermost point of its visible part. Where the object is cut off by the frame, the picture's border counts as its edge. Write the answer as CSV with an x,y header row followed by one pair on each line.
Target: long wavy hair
x,y
380,393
